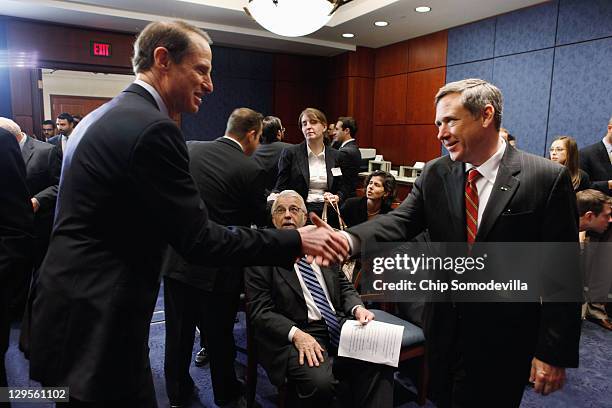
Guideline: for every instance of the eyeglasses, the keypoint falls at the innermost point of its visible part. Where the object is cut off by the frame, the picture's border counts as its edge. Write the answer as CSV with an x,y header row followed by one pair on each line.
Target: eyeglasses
x,y
282,210
556,149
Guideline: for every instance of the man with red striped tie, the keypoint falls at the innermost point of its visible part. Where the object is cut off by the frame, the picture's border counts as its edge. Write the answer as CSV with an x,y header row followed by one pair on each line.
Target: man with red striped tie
x,y
487,191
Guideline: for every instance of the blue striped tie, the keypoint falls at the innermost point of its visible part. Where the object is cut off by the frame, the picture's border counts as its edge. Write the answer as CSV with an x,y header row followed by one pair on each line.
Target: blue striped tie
x,y
313,285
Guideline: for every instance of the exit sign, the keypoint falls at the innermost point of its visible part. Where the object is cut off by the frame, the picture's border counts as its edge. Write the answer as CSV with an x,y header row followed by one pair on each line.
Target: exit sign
x,y
100,49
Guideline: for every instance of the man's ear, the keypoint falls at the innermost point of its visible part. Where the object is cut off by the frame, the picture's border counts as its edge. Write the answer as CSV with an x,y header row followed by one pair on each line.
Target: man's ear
x,y
161,56
487,115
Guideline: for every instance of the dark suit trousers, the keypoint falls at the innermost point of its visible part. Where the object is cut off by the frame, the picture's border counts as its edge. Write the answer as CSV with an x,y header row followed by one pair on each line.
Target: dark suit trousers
x,y
458,380
186,306
352,383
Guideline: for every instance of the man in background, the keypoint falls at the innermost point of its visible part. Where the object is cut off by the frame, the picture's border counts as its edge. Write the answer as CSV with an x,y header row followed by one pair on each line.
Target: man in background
x,y
64,125
596,160
16,219
231,186
268,153
594,209
350,156
48,130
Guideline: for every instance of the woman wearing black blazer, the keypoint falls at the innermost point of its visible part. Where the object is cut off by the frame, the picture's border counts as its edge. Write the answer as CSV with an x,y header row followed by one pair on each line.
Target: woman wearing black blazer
x,y
311,168
564,151
379,195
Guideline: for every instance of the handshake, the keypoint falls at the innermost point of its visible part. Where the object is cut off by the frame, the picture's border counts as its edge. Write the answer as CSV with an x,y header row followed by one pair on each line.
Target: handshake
x,y
322,244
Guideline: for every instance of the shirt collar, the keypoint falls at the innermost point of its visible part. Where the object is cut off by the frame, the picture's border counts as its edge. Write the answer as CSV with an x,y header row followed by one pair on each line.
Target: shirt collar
x,y
311,153
345,142
488,169
608,145
234,140
158,99
22,141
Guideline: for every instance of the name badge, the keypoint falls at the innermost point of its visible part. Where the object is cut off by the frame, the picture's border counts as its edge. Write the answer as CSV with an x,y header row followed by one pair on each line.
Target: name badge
x,y
336,171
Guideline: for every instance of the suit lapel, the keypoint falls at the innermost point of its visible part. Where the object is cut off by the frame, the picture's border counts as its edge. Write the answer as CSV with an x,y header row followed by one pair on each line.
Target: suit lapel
x,y
454,182
28,151
503,190
302,159
329,164
602,152
329,276
290,276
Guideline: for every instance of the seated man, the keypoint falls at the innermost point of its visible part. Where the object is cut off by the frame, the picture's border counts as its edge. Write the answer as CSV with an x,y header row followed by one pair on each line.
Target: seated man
x,y
297,314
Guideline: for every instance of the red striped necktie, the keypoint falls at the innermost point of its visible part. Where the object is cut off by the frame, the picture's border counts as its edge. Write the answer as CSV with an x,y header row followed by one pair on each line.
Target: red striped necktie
x,y
471,205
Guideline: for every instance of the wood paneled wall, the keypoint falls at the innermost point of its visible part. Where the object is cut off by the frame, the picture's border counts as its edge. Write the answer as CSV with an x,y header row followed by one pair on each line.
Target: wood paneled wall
x,y
57,47
407,76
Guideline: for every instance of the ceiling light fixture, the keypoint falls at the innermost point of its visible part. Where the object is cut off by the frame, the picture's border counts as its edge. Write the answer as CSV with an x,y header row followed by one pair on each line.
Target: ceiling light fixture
x,y
292,18
381,23
422,9
348,35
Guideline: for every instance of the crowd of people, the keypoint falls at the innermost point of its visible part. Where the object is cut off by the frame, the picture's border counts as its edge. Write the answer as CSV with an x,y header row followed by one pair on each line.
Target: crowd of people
x,y
91,216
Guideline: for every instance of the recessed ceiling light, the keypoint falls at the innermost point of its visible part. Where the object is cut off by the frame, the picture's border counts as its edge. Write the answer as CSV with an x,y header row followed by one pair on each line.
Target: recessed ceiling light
x,y
381,23
348,35
422,9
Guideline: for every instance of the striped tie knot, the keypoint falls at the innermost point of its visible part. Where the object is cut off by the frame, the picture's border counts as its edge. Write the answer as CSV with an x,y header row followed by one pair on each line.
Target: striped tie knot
x,y
473,175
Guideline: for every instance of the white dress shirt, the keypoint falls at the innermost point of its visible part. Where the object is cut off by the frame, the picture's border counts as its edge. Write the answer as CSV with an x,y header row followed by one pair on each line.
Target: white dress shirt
x,y
488,171
318,176
345,142
158,99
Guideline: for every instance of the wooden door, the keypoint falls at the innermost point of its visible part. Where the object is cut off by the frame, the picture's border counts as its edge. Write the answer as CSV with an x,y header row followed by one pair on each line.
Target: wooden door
x,y
75,105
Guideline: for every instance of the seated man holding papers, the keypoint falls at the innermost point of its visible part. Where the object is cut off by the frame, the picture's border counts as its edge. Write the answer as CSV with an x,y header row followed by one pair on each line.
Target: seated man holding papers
x,y
298,315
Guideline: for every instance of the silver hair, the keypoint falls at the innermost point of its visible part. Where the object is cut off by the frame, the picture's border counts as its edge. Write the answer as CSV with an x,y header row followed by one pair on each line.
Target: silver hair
x,y
11,127
289,193
475,95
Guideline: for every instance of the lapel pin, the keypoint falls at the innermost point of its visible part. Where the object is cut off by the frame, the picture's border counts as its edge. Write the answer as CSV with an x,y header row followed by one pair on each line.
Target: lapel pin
x,y
504,188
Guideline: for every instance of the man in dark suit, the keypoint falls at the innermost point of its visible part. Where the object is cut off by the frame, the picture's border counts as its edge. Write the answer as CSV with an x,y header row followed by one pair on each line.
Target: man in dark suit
x,y
48,130
125,193
350,156
481,355
16,226
596,160
65,126
43,165
297,335
231,186
268,153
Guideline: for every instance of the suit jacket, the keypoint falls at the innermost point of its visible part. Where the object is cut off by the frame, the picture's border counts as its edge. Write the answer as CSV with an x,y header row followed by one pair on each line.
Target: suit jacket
x,y
350,162
595,161
294,173
125,193
267,157
43,166
276,302
16,227
532,201
55,140
355,210
231,186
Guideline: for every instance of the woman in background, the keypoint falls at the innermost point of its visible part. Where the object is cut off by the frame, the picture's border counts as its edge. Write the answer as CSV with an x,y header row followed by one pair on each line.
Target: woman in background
x,y
564,151
379,195
313,169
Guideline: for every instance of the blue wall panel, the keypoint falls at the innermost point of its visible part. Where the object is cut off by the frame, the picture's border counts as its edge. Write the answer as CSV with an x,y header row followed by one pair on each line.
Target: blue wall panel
x,y
480,69
241,79
581,20
526,30
471,42
524,80
581,104
5,85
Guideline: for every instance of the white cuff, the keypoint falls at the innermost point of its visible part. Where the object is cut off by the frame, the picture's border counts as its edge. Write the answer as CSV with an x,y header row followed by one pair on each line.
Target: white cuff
x,y
354,242
292,333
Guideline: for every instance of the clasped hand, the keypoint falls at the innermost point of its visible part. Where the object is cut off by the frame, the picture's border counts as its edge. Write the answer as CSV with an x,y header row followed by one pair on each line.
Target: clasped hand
x,y
322,244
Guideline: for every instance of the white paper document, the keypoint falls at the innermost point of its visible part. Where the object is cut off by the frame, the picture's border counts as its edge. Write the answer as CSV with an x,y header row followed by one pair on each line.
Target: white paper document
x,y
376,342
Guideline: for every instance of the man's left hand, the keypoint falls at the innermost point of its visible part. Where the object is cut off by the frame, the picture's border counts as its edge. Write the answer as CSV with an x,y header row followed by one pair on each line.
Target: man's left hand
x,y
545,377
35,204
363,315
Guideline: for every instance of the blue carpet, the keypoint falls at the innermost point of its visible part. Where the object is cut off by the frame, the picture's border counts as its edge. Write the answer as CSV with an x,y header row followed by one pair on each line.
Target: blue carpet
x,y
590,385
